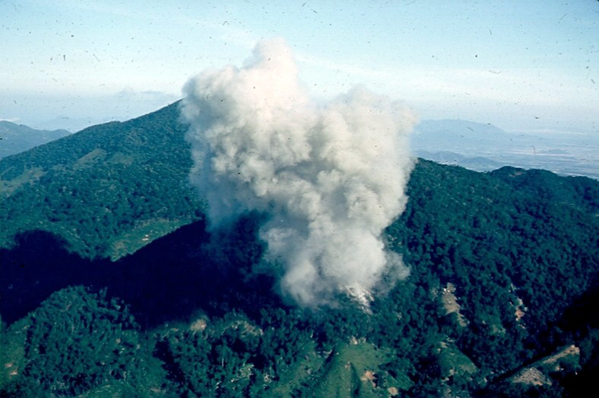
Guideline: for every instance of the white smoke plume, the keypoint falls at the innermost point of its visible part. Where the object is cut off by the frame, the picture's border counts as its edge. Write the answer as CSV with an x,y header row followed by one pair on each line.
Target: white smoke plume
x,y
331,178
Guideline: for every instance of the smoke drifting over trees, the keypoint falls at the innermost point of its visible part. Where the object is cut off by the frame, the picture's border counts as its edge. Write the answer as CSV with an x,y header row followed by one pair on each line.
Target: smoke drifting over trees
x,y
331,178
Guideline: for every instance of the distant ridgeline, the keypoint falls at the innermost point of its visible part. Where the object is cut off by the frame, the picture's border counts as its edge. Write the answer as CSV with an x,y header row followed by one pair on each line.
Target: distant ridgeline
x,y
112,286
484,147
16,138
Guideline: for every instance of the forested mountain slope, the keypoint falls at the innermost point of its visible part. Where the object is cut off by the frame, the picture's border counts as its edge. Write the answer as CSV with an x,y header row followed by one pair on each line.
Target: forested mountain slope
x,y
106,190
503,284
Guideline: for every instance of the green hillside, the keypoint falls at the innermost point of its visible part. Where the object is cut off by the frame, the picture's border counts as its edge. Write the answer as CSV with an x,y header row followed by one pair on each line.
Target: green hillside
x,y
111,285
107,190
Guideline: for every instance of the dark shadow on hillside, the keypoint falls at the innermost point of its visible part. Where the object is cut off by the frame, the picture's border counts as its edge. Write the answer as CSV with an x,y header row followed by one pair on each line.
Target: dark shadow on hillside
x,y
583,314
581,319
35,267
171,278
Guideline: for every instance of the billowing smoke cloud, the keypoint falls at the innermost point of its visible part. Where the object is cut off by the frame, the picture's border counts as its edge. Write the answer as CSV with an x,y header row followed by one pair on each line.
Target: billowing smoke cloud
x,y
331,178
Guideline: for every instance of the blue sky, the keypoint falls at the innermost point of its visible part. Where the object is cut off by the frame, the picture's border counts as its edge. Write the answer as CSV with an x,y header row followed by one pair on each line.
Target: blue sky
x,y
521,65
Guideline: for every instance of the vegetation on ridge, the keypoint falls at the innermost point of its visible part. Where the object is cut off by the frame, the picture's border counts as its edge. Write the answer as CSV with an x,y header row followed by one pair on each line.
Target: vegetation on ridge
x,y
190,314
107,190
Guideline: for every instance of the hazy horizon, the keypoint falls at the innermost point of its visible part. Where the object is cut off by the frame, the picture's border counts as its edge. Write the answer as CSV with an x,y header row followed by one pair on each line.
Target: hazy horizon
x,y
522,66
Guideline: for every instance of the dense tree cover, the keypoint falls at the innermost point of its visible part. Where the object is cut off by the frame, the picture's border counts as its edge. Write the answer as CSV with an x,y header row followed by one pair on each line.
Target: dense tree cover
x,y
196,314
233,356
77,340
499,244
101,188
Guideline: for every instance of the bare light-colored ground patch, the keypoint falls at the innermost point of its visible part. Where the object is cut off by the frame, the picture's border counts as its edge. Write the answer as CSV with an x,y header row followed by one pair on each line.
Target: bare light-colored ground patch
x,y
450,303
534,374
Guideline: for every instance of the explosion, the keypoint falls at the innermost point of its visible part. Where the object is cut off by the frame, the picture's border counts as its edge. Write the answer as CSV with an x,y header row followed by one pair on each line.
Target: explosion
x,y
331,178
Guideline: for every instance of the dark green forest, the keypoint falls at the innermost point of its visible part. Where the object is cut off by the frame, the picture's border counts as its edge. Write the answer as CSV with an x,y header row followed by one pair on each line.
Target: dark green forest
x,y
111,285
103,189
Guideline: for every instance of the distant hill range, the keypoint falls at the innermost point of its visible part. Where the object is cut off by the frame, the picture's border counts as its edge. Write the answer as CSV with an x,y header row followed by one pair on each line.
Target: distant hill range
x,y
457,134
484,147
16,138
